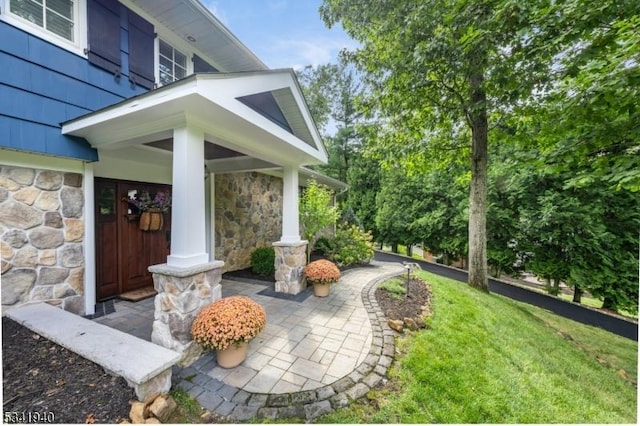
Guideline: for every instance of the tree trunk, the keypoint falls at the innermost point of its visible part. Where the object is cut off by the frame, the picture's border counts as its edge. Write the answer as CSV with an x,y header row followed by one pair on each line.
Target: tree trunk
x,y
478,277
409,250
394,248
577,294
609,304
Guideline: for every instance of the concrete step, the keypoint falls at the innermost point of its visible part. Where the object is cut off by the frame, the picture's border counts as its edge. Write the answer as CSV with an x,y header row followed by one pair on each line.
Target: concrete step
x,y
145,366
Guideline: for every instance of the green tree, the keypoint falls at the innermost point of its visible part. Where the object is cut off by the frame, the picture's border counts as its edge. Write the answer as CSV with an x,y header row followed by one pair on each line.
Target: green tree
x,y
438,71
317,86
440,222
394,212
585,237
587,122
316,212
331,92
364,184
588,245
512,182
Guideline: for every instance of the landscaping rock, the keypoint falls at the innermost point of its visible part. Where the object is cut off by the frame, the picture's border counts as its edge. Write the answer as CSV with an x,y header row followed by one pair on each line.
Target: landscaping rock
x,y
155,409
136,414
396,325
162,407
411,324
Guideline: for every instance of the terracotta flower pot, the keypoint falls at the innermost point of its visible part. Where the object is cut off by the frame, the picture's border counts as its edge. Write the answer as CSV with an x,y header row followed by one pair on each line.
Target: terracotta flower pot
x,y
321,290
151,220
233,356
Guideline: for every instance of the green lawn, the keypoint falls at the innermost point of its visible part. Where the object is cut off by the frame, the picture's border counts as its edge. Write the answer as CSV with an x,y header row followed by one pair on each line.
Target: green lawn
x,y
488,359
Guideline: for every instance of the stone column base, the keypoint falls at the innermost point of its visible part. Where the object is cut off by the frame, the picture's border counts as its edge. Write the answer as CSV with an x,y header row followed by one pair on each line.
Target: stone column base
x,y
182,293
290,261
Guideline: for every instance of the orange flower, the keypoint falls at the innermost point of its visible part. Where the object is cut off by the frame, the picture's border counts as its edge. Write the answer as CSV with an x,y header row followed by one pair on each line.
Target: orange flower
x,y
227,321
322,271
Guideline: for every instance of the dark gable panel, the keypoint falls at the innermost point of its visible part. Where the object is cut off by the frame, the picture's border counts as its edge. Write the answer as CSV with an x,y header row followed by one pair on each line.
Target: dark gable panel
x,y
141,50
265,104
104,34
200,65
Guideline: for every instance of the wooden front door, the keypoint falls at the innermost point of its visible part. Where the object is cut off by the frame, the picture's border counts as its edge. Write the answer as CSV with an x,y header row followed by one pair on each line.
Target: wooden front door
x,y
123,250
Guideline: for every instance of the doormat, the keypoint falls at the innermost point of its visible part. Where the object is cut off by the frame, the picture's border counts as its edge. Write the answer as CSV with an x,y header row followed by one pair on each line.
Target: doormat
x,y
139,294
246,276
300,297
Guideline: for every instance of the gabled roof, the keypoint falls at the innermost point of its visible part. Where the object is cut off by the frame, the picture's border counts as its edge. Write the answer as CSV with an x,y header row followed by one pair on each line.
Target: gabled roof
x,y
195,23
215,103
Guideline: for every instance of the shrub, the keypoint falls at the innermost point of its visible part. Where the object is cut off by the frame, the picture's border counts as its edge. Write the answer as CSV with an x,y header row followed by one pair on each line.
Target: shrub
x,y
322,271
228,321
395,288
316,212
263,261
323,246
351,246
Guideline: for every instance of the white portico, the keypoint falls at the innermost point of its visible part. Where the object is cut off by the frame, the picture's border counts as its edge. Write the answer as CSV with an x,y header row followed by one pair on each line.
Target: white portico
x,y
219,123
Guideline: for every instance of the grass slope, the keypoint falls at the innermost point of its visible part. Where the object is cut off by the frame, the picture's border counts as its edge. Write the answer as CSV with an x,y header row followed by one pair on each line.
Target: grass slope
x,y
487,359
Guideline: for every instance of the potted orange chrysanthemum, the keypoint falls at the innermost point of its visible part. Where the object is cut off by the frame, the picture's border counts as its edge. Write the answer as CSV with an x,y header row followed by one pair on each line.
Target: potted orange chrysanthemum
x,y
227,325
321,273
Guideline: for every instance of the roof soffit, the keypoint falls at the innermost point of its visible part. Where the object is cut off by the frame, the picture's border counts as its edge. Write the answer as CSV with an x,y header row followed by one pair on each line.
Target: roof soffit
x,y
189,18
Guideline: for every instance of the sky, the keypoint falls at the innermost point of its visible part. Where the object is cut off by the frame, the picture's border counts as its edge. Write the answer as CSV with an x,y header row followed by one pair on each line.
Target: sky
x,y
282,33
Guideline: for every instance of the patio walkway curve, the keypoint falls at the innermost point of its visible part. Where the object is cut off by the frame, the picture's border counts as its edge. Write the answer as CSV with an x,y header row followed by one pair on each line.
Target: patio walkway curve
x,y
313,356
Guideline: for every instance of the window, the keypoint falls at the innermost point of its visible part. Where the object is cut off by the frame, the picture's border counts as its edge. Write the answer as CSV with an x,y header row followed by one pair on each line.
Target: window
x,y
172,64
55,16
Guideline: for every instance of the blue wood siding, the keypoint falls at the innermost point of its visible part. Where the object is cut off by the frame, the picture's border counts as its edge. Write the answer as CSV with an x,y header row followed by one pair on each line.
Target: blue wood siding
x,y
42,85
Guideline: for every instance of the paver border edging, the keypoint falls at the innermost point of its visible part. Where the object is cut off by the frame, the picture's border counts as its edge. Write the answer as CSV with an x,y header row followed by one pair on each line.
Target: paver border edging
x,y
237,404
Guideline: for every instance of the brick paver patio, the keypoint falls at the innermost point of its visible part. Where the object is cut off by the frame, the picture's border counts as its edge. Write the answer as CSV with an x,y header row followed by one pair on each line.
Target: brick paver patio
x,y
313,355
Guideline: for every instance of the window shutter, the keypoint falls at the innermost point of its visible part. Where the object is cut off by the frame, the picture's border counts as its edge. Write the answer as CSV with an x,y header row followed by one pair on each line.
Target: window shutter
x,y
141,48
200,65
104,34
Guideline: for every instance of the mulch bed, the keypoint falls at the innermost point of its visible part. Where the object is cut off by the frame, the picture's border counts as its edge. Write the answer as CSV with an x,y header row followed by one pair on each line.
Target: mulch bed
x,y
56,385
418,295
248,273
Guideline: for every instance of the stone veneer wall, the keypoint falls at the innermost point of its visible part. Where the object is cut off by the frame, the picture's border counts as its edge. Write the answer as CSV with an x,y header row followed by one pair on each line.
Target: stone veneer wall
x,y
41,237
248,215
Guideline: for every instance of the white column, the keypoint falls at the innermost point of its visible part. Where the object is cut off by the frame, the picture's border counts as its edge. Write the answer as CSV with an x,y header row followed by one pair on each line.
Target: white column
x,y
290,216
89,242
188,244
212,217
